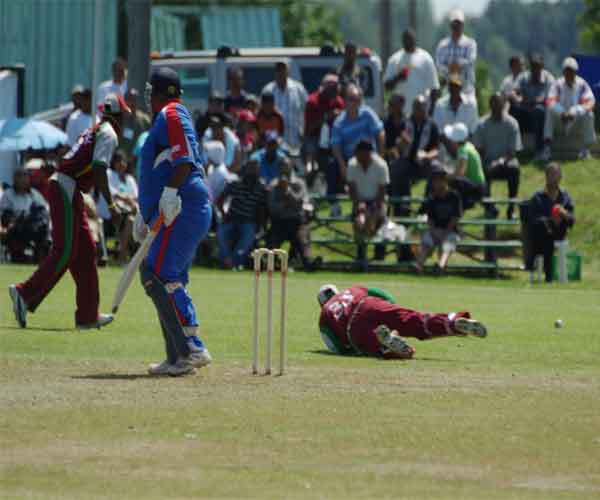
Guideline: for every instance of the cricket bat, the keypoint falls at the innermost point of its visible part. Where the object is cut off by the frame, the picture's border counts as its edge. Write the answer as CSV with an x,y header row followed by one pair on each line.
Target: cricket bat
x,y
134,264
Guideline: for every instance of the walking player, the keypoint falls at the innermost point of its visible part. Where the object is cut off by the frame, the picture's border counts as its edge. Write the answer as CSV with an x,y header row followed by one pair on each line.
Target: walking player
x,y
368,322
73,248
172,183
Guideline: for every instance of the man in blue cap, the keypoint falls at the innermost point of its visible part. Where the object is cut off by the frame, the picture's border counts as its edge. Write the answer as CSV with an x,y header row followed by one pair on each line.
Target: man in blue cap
x,y
172,185
270,157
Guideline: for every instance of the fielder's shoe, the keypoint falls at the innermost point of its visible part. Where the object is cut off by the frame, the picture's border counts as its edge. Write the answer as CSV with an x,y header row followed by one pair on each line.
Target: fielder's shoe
x,y
468,326
181,367
394,342
159,369
19,306
103,320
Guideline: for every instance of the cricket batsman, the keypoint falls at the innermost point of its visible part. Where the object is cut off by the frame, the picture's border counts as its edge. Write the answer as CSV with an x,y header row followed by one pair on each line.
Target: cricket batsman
x,y
172,184
73,248
368,322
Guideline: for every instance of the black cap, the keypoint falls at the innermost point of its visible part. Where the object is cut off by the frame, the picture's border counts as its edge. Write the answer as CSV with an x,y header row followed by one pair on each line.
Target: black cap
x,y
536,58
216,120
165,81
267,96
438,169
364,145
215,95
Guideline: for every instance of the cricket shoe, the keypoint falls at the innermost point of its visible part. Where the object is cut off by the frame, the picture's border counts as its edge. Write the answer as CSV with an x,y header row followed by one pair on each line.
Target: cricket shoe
x,y
159,369
394,342
19,306
181,367
468,326
199,355
103,320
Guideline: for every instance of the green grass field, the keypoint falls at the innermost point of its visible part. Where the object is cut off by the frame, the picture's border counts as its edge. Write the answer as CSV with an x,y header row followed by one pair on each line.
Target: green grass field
x,y
516,415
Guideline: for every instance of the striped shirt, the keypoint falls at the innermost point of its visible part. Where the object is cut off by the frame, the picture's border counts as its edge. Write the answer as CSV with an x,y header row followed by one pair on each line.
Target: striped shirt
x,y
462,52
290,102
246,200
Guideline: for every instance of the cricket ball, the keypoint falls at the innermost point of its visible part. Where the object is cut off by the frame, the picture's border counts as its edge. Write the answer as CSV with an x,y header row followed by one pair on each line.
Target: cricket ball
x,y
558,323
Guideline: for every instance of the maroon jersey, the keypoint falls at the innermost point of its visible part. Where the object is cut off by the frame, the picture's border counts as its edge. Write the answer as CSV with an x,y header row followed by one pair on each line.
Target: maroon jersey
x,y
338,310
96,144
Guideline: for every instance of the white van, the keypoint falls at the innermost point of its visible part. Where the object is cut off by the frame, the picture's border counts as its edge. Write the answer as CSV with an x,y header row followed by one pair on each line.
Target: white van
x,y
204,71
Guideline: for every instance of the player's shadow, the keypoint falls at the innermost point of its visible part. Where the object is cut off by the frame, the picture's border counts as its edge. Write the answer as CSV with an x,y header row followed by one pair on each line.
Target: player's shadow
x,y
113,376
35,329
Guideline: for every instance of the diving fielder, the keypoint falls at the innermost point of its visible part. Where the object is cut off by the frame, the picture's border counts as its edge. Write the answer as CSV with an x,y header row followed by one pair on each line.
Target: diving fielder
x,y
73,248
172,183
368,322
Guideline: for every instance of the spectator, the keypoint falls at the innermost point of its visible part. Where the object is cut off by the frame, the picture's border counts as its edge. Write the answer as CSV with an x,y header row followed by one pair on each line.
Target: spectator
x,y
247,133
76,101
455,108
135,123
81,119
529,104
290,101
368,178
443,209
269,118
24,219
216,107
269,158
570,110
219,132
498,139
288,197
510,84
322,108
118,84
235,100
457,54
417,146
393,125
350,71
247,201
468,179
355,123
411,71
218,174
124,191
551,214
252,104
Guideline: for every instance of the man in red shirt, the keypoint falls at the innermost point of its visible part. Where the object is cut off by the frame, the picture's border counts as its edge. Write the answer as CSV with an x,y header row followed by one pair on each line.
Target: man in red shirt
x,y
368,322
73,248
322,108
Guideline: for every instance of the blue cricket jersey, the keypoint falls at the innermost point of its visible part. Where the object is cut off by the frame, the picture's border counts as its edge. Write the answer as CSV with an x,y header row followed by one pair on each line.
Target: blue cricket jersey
x,y
171,141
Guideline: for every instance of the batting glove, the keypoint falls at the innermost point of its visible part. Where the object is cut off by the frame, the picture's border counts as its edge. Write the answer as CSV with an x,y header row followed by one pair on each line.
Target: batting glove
x,y
140,229
169,205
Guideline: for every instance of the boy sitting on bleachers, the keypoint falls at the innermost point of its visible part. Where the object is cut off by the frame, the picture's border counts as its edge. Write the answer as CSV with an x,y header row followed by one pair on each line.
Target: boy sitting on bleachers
x,y
443,208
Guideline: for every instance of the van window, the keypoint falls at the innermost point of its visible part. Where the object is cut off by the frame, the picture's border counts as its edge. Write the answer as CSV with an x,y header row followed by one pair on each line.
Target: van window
x,y
194,83
312,76
256,77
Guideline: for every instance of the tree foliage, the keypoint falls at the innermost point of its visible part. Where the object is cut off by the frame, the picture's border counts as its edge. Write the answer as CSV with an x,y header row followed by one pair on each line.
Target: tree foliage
x,y
590,22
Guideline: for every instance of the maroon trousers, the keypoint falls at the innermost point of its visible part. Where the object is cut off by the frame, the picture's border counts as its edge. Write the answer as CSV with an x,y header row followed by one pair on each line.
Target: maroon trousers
x,y
407,322
73,248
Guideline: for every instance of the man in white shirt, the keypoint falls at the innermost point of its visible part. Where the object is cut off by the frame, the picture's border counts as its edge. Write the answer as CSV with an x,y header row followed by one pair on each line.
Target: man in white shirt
x,y
80,119
454,108
458,53
368,176
290,100
510,84
570,110
118,84
411,71
217,131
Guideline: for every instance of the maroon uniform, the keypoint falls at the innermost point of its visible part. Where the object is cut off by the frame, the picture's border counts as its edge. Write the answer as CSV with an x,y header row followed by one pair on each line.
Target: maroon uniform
x,y
349,319
73,246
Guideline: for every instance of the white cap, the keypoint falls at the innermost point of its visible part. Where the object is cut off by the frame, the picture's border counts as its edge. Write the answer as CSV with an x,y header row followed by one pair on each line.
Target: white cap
x,y
457,132
326,292
571,63
114,104
215,151
457,15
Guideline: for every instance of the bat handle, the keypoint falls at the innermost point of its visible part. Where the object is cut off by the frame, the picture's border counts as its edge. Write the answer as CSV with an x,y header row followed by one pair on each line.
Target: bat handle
x,y
157,223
